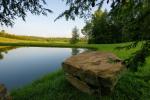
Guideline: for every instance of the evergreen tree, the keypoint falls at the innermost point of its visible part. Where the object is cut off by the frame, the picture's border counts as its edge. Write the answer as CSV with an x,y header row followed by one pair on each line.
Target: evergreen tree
x,y
100,29
134,15
75,36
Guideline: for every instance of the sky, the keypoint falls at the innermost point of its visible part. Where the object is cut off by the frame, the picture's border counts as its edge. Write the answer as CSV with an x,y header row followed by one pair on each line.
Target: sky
x,y
44,25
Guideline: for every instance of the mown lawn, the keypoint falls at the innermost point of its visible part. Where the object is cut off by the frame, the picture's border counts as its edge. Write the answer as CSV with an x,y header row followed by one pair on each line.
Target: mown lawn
x,y
132,85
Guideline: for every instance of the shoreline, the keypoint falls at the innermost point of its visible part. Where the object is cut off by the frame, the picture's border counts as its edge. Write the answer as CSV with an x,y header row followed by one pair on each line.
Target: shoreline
x,y
54,86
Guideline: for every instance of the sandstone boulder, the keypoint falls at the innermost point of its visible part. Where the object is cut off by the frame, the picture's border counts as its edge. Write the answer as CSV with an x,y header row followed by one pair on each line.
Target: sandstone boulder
x,y
93,72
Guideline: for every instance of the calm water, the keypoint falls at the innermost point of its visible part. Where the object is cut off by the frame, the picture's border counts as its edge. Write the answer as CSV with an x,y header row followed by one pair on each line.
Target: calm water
x,y
21,66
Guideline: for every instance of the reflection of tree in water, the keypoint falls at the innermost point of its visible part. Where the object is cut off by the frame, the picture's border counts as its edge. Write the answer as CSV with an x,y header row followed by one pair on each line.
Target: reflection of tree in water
x,y
1,56
75,51
5,50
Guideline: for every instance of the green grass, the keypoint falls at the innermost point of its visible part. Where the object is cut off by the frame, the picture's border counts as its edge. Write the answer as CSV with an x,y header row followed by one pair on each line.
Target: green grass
x,y
54,86
6,37
3,39
102,47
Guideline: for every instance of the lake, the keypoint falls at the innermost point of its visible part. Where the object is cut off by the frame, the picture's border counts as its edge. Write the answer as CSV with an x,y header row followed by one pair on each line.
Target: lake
x,y
20,66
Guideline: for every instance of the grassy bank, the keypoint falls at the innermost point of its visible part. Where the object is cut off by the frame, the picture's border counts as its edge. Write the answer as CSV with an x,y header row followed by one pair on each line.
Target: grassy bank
x,y
102,47
132,86
55,87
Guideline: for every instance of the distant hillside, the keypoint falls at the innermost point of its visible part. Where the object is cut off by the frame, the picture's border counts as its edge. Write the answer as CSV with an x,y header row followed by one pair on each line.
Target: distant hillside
x,y
3,34
31,38
20,37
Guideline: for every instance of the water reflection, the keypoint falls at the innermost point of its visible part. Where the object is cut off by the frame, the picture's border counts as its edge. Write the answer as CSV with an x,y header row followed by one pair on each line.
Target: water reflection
x,y
4,50
75,51
21,66
1,56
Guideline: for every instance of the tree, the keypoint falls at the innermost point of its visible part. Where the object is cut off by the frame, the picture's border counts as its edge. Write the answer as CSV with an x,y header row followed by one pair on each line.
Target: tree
x,y
2,31
100,33
87,29
82,8
134,15
12,9
75,36
100,29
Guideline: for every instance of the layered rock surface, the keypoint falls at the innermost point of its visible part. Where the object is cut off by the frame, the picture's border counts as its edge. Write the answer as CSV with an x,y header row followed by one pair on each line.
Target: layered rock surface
x,y
93,72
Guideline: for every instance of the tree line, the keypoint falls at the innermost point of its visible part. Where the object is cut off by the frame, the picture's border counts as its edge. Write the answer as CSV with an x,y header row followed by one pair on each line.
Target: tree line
x,y
102,29
133,16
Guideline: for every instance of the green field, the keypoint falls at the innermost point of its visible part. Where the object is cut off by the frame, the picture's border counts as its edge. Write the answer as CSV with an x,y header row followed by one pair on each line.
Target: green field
x,y
6,37
54,86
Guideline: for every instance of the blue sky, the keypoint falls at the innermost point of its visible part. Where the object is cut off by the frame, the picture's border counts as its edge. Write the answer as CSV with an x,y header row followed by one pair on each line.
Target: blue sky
x,y
45,26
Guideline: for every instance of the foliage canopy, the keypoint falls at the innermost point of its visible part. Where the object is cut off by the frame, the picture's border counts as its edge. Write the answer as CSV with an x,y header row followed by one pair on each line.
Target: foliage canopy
x,y
101,29
133,15
12,9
